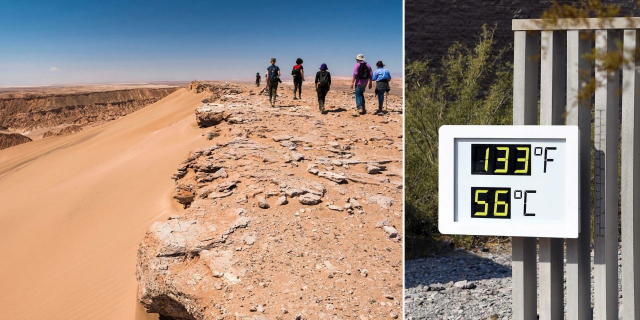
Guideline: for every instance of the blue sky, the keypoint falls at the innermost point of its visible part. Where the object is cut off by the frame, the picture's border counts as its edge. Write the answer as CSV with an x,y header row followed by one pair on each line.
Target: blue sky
x,y
73,42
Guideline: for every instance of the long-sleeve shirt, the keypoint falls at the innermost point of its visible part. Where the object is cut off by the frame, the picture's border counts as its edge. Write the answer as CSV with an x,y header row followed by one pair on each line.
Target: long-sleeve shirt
x,y
355,74
381,74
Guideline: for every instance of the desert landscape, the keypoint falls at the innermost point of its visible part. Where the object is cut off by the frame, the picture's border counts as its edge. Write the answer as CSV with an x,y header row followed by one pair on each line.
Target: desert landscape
x,y
32,113
147,203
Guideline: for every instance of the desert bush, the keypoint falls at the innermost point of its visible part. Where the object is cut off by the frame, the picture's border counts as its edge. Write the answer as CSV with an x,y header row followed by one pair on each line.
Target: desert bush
x,y
473,86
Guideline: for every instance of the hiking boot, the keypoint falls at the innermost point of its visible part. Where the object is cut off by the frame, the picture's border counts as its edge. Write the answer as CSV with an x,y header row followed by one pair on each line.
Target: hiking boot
x,y
294,98
362,111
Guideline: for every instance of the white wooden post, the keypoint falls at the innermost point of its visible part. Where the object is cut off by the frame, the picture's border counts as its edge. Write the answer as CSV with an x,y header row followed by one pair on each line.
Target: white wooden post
x,y
525,100
552,105
606,185
630,180
578,250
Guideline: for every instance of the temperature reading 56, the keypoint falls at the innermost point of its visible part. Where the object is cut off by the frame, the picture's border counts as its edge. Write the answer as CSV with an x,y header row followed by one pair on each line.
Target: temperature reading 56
x,y
495,202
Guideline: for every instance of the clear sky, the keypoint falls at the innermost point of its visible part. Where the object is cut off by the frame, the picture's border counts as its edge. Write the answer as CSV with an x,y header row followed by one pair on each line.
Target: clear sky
x,y
86,41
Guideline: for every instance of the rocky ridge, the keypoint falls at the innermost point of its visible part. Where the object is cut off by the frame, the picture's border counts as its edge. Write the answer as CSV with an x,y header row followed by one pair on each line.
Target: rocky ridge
x,y
32,111
12,139
290,214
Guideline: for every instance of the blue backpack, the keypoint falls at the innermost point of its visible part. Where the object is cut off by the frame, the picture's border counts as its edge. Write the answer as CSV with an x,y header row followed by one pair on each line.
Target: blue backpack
x,y
273,72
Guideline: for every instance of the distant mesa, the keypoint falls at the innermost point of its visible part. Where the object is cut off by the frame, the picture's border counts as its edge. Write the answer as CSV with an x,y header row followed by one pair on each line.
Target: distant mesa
x,y
66,130
48,112
12,139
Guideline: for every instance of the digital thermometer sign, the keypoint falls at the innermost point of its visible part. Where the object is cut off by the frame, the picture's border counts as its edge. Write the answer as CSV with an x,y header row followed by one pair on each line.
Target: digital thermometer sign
x,y
509,181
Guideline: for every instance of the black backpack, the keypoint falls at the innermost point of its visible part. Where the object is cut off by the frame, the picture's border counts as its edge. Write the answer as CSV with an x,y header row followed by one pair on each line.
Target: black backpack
x,y
296,73
363,71
323,80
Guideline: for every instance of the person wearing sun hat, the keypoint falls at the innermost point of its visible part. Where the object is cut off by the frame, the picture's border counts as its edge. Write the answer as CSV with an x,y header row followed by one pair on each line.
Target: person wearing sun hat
x,y
323,85
258,79
361,77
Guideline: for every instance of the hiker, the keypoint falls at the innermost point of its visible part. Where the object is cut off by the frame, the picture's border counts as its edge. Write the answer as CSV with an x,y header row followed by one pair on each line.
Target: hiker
x,y
382,77
323,85
361,76
298,77
273,78
258,79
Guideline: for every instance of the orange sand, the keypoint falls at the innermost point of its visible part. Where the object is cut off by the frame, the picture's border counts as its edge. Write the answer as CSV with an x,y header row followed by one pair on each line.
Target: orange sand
x,y
73,210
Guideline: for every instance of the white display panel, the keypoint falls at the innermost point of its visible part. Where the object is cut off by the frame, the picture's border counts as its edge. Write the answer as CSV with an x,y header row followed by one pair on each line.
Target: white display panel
x,y
509,181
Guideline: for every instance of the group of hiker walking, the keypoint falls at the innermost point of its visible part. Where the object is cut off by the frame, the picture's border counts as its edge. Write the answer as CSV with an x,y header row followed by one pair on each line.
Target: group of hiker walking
x,y
363,76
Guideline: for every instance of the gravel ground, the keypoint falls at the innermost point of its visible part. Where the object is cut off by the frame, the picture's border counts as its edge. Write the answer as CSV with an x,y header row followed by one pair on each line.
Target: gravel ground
x,y
464,285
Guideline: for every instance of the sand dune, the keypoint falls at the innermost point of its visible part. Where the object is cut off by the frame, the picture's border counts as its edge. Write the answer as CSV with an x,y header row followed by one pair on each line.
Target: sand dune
x,y
73,210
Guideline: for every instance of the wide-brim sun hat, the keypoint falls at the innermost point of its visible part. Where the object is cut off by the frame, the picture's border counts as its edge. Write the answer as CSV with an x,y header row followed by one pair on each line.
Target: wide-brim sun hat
x,y
324,67
360,57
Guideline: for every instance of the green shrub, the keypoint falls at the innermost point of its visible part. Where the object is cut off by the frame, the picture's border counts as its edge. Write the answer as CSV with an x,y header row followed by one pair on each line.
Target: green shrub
x,y
472,87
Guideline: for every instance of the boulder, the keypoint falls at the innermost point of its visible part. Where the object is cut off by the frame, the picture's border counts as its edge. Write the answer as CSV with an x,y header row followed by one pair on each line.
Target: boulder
x,y
210,115
184,194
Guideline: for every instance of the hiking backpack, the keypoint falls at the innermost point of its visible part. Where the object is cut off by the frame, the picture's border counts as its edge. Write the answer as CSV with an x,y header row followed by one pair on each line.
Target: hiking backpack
x,y
273,73
323,82
297,71
363,71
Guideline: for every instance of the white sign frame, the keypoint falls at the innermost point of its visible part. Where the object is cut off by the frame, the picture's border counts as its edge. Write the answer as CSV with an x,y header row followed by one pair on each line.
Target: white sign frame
x,y
500,227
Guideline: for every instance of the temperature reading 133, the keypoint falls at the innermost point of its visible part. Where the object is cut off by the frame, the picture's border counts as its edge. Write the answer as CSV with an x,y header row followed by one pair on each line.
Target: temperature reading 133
x,y
497,159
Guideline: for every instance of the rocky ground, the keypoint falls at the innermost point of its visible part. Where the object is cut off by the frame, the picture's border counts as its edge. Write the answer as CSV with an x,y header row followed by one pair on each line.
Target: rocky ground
x,y
291,214
459,285
465,285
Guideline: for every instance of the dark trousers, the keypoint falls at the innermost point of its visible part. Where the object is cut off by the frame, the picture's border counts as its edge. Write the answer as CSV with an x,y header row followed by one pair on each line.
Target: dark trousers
x,y
257,83
297,86
380,94
322,93
273,89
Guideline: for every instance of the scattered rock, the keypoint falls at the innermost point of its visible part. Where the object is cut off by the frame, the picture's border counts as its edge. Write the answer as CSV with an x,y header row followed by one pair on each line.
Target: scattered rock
x,y
355,203
262,202
391,232
464,284
383,223
250,240
296,156
309,199
332,176
281,138
282,201
372,169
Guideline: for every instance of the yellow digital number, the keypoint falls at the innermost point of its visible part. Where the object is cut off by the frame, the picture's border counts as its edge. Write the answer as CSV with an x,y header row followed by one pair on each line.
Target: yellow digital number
x,y
497,203
486,160
525,160
480,213
505,160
